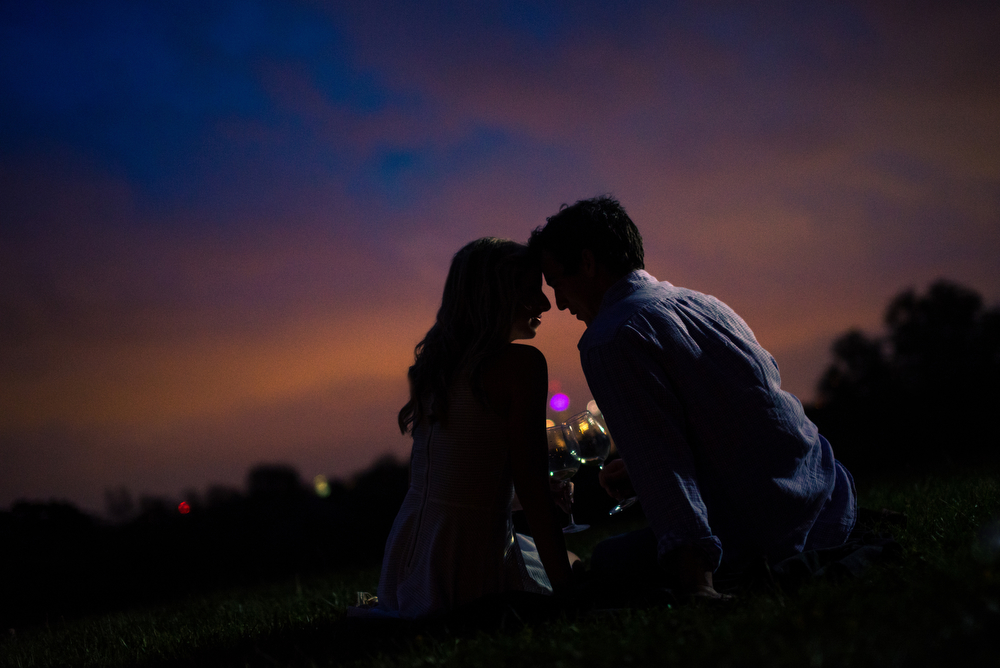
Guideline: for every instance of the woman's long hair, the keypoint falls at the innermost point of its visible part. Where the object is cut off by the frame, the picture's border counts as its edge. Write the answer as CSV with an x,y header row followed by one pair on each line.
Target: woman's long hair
x,y
481,296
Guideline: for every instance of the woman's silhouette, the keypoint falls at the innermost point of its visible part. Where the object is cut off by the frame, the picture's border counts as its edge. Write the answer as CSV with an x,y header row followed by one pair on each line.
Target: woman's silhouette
x,y
477,415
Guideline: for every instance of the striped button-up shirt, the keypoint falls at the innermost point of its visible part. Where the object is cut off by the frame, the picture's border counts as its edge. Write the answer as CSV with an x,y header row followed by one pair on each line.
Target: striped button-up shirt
x,y
721,457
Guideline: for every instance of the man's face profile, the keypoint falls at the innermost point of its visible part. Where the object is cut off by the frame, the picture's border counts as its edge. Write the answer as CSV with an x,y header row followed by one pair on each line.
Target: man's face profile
x,y
580,292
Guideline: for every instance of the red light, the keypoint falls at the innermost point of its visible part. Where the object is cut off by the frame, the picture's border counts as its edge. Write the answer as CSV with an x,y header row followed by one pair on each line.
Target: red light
x,y
183,508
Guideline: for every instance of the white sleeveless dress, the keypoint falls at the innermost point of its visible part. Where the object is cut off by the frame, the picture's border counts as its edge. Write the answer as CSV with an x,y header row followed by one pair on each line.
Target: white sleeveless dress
x,y
453,540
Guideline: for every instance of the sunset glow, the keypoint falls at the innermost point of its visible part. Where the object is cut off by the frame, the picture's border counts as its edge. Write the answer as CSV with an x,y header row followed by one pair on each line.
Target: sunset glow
x,y
223,232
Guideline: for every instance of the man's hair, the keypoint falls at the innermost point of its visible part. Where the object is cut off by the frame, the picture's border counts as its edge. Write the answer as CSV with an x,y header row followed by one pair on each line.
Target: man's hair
x,y
600,225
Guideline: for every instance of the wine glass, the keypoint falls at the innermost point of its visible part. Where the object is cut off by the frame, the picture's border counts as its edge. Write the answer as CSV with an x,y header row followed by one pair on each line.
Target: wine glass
x,y
594,445
599,419
563,463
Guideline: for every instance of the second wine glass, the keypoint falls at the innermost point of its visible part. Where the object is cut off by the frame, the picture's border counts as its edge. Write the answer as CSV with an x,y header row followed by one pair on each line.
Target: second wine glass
x,y
592,441
595,444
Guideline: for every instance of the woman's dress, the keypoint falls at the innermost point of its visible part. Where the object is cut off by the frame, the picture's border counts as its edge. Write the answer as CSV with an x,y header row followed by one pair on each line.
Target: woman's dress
x,y
453,540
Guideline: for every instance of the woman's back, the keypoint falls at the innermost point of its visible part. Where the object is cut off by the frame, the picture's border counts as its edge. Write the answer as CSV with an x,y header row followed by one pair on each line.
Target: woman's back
x,y
465,461
453,541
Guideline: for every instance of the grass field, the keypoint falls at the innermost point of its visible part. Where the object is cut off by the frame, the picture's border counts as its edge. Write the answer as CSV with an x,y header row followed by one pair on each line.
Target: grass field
x,y
939,605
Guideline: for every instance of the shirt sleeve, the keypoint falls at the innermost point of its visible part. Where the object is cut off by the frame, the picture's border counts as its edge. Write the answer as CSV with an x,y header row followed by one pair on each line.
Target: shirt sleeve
x,y
645,416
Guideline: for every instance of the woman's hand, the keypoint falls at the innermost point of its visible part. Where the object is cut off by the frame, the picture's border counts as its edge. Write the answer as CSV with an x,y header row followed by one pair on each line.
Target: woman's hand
x,y
615,480
562,494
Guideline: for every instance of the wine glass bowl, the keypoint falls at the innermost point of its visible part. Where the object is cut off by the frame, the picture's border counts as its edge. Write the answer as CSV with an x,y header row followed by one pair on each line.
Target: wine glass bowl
x,y
592,441
563,459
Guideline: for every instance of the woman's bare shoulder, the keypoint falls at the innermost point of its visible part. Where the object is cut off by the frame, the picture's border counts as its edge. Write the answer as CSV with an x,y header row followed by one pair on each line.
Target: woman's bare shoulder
x,y
519,360
516,366
521,351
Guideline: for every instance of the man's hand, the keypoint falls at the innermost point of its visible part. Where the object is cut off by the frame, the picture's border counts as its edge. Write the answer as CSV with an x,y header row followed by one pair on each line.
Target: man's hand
x,y
615,480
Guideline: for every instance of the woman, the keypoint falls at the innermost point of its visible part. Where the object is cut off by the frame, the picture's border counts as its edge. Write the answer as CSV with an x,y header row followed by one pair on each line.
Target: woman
x,y
477,415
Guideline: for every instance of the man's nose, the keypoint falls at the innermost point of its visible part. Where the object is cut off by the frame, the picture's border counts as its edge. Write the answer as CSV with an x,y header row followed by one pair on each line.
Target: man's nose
x,y
560,302
546,304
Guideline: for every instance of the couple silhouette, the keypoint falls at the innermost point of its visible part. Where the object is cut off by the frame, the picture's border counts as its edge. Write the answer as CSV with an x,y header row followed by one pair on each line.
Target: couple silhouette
x,y
727,466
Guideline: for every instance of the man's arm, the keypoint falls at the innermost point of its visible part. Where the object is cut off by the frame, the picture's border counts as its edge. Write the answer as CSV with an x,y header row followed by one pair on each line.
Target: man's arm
x,y
646,418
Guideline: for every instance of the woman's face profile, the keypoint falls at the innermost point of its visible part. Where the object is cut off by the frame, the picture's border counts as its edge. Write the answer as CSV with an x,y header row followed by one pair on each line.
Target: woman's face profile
x,y
531,305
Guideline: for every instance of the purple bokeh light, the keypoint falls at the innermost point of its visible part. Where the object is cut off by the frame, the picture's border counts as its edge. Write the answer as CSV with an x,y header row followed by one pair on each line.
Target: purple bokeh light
x,y
559,402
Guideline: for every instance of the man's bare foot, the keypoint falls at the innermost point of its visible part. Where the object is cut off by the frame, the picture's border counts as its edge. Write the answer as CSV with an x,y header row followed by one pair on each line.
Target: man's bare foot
x,y
706,592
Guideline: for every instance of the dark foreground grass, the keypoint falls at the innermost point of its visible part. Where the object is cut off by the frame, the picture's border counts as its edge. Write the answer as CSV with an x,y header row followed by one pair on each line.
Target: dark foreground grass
x,y
939,605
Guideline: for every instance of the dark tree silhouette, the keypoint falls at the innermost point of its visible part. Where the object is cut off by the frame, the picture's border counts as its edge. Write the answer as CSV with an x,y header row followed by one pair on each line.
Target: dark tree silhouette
x,y
119,504
274,480
923,395
57,561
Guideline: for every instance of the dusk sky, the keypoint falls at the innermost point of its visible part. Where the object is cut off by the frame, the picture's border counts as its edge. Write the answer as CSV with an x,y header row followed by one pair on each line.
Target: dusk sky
x,y
225,225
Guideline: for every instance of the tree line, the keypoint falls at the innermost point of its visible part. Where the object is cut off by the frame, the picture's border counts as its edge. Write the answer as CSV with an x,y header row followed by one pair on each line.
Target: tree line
x,y
58,561
921,397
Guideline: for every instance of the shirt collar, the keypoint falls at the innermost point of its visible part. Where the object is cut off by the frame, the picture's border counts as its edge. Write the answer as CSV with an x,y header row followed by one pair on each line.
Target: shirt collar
x,y
625,286
621,289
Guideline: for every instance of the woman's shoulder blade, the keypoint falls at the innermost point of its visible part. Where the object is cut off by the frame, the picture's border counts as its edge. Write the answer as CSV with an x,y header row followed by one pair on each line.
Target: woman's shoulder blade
x,y
525,351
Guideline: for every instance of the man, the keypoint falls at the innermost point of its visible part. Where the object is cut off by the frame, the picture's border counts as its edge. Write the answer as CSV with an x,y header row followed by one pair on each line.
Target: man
x,y
725,463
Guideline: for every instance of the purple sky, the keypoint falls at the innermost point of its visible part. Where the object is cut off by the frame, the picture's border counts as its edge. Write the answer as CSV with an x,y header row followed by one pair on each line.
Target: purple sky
x,y
224,227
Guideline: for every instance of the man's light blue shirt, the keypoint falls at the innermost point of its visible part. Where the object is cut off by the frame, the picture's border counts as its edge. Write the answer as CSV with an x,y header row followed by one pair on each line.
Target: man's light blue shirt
x,y
720,456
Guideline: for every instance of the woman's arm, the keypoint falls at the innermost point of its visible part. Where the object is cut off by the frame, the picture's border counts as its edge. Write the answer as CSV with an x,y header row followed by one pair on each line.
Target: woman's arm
x,y
520,377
